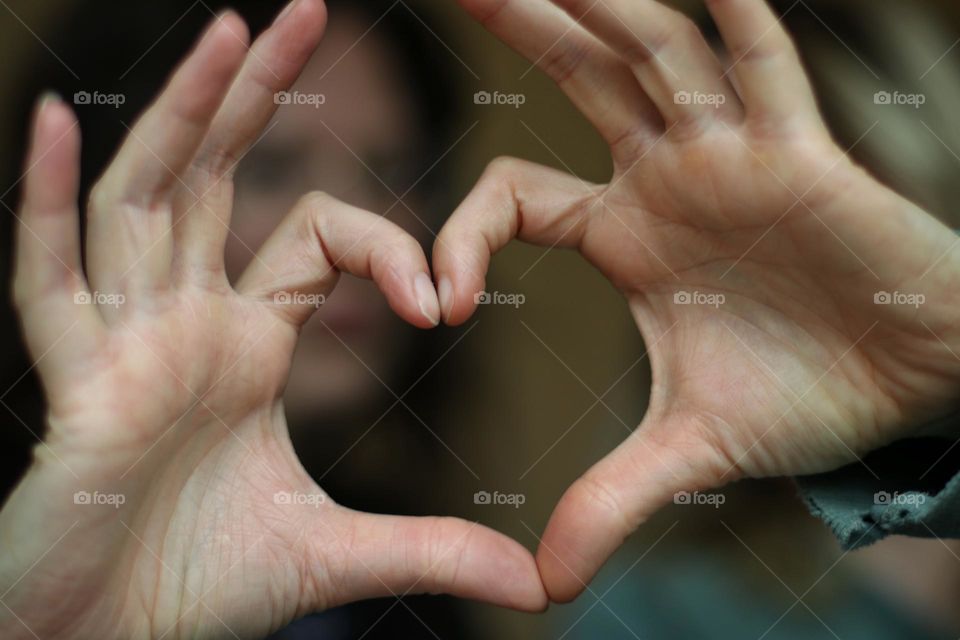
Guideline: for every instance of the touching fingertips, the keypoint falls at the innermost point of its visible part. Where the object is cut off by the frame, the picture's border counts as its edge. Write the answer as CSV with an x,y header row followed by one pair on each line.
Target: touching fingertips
x,y
427,298
446,297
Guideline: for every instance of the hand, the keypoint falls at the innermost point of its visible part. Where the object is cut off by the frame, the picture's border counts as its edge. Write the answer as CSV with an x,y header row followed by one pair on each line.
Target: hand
x,y
167,500
754,255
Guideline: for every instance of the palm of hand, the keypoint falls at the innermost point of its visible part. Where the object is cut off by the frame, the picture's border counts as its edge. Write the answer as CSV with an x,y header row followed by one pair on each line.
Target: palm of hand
x,y
168,486
750,250
767,346
179,413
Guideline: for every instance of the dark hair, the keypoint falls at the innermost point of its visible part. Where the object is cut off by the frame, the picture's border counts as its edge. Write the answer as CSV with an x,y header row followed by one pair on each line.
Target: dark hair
x,y
130,48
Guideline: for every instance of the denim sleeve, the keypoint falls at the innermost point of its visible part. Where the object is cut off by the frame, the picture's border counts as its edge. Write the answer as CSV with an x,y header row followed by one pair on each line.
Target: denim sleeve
x,y
910,488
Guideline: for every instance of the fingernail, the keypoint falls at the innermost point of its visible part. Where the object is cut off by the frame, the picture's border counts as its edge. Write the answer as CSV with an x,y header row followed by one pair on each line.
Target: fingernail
x,y
286,11
46,99
445,291
427,298
49,97
212,26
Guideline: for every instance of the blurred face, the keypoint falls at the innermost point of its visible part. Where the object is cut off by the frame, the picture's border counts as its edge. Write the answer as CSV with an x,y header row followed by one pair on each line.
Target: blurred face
x,y
362,136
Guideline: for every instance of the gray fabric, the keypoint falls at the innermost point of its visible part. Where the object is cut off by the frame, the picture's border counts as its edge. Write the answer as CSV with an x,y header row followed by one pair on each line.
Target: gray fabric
x,y
910,488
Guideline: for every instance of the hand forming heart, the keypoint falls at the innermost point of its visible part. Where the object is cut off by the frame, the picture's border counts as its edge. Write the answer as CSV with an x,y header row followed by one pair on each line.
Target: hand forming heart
x,y
164,396
767,273
167,500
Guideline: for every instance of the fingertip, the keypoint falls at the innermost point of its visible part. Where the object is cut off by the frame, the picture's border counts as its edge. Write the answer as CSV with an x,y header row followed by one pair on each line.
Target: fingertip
x,y
52,174
198,87
585,528
405,302
561,585
446,298
405,283
529,594
309,16
439,555
230,24
458,302
561,581
508,574
427,301
461,259
53,119
226,33
315,10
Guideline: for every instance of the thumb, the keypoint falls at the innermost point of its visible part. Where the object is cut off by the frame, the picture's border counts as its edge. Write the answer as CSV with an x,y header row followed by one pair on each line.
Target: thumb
x,y
397,556
613,498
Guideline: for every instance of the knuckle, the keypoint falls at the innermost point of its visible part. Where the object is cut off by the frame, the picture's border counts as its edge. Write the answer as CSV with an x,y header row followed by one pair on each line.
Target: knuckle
x,y
502,167
313,210
674,28
564,60
315,201
770,50
216,161
397,251
442,556
597,492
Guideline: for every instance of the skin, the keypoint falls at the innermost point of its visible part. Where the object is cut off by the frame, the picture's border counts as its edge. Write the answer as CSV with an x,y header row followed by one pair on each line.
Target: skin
x,y
370,112
797,371
173,398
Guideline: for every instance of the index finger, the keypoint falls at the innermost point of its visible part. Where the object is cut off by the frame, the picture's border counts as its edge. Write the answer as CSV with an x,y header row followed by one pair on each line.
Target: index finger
x,y
273,64
513,199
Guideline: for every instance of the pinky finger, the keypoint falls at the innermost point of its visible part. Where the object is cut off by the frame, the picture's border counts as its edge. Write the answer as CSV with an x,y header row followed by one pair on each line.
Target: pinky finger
x,y
49,288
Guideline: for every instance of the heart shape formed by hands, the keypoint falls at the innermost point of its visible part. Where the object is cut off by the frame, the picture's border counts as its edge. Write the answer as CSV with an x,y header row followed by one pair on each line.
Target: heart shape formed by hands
x,y
749,247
